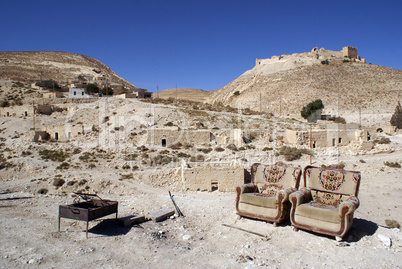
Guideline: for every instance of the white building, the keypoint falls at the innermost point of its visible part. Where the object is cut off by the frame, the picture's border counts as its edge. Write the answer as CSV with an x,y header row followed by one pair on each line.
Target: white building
x,y
78,93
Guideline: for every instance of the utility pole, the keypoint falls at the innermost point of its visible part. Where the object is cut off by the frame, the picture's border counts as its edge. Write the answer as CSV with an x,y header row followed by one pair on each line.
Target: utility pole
x,y
311,145
157,91
33,114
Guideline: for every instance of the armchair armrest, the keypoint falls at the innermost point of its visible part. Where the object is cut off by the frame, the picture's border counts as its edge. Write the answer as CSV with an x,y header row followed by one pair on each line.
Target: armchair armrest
x,y
349,206
247,188
283,195
300,196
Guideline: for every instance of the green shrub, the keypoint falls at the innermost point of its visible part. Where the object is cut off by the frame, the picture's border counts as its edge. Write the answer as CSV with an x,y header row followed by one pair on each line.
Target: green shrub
x,y
396,119
267,149
219,149
236,93
48,84
325,61
169,124
312,107
362,161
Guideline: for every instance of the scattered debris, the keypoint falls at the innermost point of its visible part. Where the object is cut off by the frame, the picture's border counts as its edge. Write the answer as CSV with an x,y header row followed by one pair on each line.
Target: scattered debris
x,y
131,220
247,231
386,241
160,215
177,208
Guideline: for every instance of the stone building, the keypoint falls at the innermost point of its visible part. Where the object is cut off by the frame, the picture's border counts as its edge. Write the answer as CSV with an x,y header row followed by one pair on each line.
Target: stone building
x,y
168,136
16,111
350,52
206,178
60,133
331,135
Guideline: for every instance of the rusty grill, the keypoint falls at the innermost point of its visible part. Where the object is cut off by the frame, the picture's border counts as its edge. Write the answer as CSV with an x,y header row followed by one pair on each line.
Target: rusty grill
x,y
93,207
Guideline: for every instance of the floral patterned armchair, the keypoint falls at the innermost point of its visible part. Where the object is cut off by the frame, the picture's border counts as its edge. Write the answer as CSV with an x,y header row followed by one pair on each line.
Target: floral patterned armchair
x,y
267,196
327,201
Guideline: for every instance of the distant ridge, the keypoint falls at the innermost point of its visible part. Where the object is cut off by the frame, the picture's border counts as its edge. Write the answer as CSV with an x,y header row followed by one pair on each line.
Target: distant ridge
x,y
196,95
62,67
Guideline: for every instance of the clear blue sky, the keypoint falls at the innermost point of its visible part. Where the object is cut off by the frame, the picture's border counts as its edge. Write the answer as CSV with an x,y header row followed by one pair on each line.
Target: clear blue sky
x,y
202,44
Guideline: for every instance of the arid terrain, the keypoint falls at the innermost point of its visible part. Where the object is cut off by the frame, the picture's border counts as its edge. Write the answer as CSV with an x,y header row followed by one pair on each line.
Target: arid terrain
x,y
111,146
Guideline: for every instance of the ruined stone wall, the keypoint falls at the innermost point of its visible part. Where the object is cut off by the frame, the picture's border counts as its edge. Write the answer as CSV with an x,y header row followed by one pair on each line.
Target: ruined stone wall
x,y
64,132
170,136
211,178
16,111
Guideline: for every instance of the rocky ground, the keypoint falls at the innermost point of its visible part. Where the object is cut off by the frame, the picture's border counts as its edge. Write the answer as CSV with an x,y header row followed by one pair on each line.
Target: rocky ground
x,y
28,225
111,162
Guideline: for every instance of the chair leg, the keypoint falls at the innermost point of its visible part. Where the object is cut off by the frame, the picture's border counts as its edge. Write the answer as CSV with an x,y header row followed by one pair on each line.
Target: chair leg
x,y
295,229
275,224
338,238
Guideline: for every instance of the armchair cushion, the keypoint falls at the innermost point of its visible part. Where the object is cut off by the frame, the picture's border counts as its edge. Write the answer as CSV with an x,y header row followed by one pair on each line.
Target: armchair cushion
x,y
259,199
318,211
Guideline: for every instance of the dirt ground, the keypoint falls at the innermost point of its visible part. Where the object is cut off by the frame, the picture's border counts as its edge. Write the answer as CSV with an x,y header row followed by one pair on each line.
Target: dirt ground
x,y
29,236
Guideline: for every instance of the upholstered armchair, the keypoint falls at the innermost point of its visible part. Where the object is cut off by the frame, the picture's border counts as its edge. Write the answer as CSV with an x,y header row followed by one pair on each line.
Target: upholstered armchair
x,y
326,202
267,196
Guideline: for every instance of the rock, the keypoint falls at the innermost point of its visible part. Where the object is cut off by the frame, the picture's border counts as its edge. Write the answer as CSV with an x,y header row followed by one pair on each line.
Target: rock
x,y
386,241
187,237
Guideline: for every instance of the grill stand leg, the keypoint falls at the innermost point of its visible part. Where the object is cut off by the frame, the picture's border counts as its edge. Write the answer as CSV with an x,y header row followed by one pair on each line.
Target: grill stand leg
x,y
59,224
87,229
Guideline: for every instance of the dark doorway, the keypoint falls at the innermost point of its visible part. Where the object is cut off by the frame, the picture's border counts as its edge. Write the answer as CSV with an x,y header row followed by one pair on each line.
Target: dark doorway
x,y
56,136
163,142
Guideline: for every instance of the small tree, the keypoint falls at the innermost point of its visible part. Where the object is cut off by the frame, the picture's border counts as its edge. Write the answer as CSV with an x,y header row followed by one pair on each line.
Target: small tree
x,y
91,89
107,91
312,107
396,119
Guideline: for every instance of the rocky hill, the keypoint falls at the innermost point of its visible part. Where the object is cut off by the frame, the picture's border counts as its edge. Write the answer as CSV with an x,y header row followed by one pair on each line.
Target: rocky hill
x,y
284,84
63,67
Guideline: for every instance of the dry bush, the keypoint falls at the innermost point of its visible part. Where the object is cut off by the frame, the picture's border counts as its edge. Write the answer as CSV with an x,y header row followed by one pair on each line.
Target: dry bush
x,y
205,150
392,164
58,182
392,223
291,153
56,156
43,191
219,149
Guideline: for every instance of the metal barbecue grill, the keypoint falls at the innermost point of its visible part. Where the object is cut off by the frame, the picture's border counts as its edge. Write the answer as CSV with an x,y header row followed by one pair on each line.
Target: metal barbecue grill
x,y
93,207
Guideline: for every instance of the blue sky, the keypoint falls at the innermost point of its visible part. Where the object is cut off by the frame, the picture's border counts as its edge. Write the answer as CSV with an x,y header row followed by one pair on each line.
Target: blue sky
x,y
199,44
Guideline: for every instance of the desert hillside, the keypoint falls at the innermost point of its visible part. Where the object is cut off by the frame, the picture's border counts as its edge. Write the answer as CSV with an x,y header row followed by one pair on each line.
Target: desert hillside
x,y
284,84
196,95
31,66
